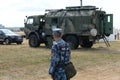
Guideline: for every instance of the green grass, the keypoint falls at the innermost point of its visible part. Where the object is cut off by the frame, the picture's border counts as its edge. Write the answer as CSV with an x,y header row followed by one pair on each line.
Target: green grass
x,y
18,56
20,62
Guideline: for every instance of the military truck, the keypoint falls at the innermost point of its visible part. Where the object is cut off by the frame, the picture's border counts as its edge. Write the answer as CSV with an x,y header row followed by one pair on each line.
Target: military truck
x,y
81,25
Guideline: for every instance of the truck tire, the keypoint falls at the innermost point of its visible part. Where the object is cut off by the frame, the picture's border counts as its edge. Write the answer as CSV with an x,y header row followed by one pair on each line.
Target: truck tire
x,y
34,41
73,42
86,43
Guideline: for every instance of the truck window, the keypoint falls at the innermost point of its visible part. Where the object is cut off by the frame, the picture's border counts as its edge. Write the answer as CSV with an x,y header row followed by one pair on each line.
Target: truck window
x,y
30,21
54,23
108,18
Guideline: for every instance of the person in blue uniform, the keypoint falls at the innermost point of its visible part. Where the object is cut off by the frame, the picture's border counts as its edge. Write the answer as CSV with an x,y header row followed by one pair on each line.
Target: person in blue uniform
x,y
60,55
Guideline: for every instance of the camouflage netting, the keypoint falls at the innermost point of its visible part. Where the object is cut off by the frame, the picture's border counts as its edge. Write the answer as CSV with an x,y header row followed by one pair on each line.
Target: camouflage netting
x,y
75,11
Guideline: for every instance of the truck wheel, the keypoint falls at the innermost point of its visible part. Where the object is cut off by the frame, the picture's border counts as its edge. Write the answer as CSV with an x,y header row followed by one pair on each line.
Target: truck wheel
x,y
49,42
34,41
73,42
86,43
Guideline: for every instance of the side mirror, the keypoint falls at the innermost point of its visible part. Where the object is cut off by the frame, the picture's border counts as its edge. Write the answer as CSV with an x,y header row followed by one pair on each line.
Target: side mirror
x,y
25,19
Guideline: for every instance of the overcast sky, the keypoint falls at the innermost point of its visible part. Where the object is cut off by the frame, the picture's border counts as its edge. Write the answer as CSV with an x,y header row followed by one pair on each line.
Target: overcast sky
x,y
13,12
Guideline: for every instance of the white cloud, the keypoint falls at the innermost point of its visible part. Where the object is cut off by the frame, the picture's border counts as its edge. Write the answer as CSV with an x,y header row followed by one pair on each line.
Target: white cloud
x,y
12,12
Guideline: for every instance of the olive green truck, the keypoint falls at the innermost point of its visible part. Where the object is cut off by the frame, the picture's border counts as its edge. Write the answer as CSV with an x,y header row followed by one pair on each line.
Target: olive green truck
x,y
81,25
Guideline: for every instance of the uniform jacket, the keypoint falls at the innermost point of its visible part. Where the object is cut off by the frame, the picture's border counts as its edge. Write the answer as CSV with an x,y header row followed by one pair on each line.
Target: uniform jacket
x,y
60,55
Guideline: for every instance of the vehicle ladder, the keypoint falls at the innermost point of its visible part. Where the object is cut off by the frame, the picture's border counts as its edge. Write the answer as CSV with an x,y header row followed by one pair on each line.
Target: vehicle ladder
x,y
106,41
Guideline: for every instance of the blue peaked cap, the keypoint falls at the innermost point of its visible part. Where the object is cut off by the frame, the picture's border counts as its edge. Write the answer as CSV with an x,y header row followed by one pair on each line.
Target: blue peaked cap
x,y
57,31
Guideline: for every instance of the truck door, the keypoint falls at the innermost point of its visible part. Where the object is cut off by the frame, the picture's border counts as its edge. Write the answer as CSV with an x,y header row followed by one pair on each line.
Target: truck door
x,y
29,23
108,28
28,26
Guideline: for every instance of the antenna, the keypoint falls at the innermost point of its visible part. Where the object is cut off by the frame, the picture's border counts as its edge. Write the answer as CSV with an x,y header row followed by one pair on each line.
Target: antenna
x,y
81,2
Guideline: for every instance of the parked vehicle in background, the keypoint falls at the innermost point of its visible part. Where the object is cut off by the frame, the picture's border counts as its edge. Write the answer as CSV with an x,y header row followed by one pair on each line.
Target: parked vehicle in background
x,y
7,36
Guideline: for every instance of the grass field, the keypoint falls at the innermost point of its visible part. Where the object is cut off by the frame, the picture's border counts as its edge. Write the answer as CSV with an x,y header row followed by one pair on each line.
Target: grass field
x,y
20,62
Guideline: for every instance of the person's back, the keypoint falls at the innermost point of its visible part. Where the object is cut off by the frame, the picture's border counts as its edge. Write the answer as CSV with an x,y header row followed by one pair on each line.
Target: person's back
x,y
63,51
60,56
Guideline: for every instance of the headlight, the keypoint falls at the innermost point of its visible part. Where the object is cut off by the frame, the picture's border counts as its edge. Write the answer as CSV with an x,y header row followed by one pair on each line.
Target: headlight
x,y
93,32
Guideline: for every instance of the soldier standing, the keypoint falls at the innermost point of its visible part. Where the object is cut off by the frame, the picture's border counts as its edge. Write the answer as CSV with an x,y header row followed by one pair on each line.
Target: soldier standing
x,y
60,55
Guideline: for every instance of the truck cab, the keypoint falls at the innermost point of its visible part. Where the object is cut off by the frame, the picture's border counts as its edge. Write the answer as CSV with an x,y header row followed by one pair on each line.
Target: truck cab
x,y
34,30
